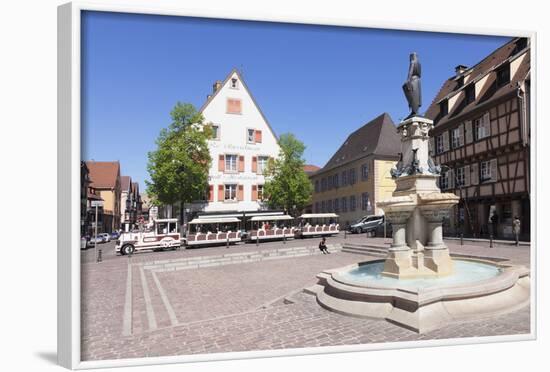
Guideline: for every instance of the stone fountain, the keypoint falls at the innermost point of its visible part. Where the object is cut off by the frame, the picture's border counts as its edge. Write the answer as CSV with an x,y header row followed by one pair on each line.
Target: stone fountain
x,y
417,209
419,285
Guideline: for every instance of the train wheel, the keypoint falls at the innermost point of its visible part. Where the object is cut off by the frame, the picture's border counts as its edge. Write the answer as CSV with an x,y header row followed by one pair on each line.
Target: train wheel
x,y
127,249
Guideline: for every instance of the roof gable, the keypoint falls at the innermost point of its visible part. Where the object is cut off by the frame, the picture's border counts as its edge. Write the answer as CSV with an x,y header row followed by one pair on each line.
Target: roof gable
x,y
235,73
104,174
125,182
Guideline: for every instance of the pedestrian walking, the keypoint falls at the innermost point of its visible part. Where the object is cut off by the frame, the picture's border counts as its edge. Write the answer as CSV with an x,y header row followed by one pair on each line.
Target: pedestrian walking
x,y
516,226
323,247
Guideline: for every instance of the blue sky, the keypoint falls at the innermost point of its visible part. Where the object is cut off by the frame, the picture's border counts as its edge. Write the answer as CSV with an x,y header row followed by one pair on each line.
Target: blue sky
x,y
318,82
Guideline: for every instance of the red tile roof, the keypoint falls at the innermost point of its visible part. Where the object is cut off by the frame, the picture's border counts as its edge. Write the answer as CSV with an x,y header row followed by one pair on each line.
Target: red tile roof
x,y
104,174
310,168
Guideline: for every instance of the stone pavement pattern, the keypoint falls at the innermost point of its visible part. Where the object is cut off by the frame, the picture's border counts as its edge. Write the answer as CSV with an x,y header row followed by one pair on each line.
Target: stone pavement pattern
x,y
241,307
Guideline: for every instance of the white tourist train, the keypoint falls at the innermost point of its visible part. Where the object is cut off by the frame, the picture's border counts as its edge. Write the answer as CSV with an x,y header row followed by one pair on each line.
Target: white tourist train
x,y
213,231
317,224
163,234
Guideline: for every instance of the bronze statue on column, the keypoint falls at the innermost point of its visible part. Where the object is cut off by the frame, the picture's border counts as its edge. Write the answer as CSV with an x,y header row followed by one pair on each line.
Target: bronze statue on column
x,y
412,86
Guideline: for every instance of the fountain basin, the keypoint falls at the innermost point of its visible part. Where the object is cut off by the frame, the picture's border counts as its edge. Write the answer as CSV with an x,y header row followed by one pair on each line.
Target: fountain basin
x,y
478,288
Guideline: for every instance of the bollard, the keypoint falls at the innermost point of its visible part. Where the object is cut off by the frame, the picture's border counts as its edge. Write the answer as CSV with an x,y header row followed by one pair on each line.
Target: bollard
x,y
461,239
257,240
491,240
227,241
345,234
284,237
99,259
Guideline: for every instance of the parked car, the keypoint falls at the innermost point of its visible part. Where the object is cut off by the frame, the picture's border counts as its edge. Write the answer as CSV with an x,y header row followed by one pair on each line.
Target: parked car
x,y
366,224
106,237
100,239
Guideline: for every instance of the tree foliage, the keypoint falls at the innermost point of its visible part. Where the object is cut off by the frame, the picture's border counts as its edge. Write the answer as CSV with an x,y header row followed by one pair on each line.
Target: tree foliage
x,y
178,168
287,184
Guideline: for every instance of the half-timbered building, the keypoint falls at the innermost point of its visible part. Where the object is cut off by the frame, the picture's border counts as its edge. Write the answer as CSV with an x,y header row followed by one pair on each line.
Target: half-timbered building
x,y
481,139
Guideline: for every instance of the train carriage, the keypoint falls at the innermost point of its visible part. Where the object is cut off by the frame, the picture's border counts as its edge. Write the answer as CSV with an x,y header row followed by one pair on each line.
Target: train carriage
x,y
317,224
213,231
271,227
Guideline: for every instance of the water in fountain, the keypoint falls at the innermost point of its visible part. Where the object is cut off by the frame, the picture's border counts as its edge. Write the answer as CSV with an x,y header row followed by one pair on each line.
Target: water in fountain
x,y
465,272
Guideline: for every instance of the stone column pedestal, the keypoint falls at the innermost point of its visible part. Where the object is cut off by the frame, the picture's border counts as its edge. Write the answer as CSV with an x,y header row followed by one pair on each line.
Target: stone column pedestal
x,y
437,257
399,259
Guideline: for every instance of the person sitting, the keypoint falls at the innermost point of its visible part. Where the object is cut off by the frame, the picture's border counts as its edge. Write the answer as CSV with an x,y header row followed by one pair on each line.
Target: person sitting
x,y
323,247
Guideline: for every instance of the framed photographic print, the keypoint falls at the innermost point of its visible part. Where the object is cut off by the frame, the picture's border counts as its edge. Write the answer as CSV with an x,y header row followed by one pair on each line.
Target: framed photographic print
x,y
238,187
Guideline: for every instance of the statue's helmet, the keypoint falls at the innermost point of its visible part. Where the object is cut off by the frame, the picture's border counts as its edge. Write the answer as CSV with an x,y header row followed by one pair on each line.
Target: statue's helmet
x,y
413,56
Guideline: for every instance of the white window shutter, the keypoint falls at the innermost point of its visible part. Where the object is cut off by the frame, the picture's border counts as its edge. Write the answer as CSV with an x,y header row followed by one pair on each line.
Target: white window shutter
x,y
469,132
446,140
461,131
474,176
494,170
431,146
487,123
451,178
467,175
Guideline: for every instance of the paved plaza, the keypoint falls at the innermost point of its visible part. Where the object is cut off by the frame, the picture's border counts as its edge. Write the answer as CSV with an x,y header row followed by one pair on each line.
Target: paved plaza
x,y
245,297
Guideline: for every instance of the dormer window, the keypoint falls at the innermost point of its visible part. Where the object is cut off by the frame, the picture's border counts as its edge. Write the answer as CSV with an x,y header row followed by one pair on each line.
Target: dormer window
x,y
444,107
470,93
503,75
234,83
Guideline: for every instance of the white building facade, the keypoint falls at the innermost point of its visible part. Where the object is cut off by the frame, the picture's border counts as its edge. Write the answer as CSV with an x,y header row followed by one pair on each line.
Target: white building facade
x,y
242,145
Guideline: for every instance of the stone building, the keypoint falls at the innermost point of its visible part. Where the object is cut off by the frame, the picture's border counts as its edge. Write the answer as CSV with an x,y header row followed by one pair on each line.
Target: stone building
x,y
242,145
358,176
481,137
105,179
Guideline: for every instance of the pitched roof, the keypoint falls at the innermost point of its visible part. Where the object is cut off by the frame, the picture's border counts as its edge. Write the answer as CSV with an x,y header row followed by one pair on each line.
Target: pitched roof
x,y
492,62
310,168
125,183
378,137
236,71
135,187
104,174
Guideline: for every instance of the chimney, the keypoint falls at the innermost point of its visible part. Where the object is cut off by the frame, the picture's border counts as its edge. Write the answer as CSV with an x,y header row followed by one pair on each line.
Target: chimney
x,y
460,69
217,85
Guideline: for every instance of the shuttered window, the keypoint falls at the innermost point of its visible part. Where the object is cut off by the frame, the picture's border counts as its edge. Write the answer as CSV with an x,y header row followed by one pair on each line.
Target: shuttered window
x,y
460,178
457,136
262,164
482,127
234,106
485,173
231,163
439,148
230,192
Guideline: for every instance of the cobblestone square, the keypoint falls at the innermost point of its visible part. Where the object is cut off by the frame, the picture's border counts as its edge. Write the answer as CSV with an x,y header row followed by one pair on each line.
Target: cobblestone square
x,y
243,298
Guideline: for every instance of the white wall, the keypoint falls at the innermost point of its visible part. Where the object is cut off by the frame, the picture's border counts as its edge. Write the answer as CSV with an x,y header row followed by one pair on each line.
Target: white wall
x,y
233,140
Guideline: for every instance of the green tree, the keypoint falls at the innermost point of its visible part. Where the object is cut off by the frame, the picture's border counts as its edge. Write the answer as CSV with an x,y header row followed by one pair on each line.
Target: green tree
x,y
287,184
178,168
